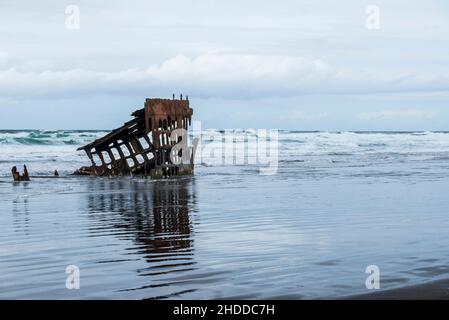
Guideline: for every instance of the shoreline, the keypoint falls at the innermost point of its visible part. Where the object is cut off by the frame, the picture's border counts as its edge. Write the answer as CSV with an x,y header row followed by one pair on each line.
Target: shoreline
x,y
434,290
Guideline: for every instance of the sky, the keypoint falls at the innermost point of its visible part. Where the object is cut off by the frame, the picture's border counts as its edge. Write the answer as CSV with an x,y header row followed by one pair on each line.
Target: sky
x,y
288,64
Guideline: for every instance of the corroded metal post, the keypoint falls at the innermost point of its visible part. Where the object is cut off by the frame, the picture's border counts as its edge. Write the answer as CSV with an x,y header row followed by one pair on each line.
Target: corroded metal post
x,y
17,176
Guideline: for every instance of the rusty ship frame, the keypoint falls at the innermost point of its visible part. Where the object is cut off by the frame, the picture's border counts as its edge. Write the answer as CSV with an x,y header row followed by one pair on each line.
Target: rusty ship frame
x,y
145,145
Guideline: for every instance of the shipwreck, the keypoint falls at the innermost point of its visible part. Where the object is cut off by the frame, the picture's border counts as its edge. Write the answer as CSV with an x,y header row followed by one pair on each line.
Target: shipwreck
x,y
153,144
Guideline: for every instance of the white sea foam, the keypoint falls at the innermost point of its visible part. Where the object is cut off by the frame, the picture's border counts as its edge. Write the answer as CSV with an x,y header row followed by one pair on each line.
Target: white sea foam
x,y
45,151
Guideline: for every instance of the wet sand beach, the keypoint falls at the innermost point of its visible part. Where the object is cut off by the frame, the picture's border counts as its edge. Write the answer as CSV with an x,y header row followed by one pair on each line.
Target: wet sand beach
x,y
436,290
338,203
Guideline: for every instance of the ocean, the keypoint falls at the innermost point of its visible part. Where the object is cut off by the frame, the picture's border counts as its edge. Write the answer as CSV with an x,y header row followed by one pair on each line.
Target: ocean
x,y
338,203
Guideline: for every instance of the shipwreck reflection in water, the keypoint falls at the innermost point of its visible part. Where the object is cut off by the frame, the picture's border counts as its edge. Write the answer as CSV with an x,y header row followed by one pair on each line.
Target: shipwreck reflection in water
x,y
155,215
20,210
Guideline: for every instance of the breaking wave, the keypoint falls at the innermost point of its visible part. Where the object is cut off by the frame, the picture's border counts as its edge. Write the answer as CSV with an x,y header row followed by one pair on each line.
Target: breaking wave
x,y
299,151
43,138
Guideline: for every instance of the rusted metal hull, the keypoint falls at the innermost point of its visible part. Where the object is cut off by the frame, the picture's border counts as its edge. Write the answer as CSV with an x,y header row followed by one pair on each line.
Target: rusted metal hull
x,y
145,145
20,177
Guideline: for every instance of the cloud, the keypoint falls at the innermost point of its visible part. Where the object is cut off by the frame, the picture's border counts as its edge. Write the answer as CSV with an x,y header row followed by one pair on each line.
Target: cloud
x,y
209,75
236,76
300,115
396,115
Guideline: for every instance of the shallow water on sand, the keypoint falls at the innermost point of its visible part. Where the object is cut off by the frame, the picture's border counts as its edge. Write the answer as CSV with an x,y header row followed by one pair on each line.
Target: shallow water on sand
x,y
309,231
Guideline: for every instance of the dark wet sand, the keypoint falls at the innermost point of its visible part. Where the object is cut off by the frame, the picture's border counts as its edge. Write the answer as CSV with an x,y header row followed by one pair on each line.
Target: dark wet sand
x,y
436,290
